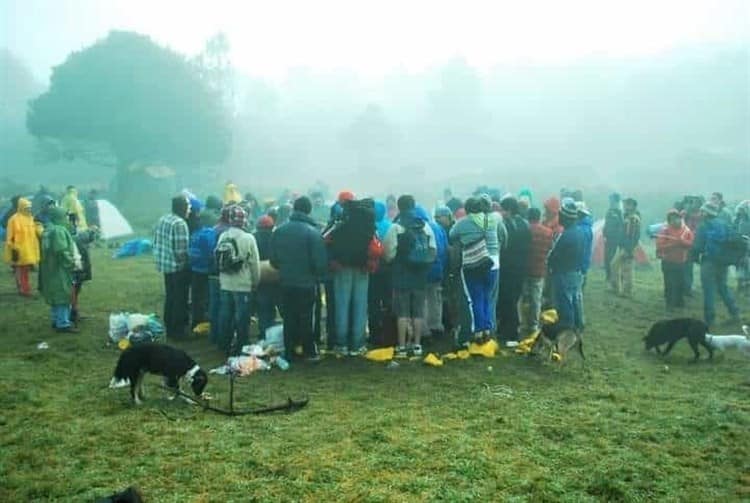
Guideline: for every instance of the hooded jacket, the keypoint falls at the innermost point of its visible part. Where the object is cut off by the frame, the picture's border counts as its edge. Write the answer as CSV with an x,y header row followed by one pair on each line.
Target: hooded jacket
x,y
382,224
298,252
552,216
58,260
22,236
71,205
541,244
441,241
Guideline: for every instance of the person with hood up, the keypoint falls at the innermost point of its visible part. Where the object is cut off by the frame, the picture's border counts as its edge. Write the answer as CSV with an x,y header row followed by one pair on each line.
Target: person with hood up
x,y
237,284
196,207
411,249
202,265
673,244
478,278
434,290
708,251
56,269
22,245
379,292
622,265
452,286
551,218
72,205
10,212
299,253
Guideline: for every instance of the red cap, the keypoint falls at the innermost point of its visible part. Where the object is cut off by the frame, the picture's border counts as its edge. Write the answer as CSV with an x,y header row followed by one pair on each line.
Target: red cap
x,y
265,222
346,195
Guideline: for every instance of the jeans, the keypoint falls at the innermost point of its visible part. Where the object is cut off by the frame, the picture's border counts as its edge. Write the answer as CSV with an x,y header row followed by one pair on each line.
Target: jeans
x,y
298,306
531,300
199,294
714,279
350,286
567,288
177,287
234,315
479,290
214,305
61,315
674,283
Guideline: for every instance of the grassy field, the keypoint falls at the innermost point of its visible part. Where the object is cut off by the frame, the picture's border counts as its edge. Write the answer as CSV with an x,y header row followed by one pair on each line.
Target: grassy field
x,y
628,427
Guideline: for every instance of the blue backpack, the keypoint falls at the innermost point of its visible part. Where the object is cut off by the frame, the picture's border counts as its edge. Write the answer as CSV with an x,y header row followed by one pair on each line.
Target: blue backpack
x,y
415,244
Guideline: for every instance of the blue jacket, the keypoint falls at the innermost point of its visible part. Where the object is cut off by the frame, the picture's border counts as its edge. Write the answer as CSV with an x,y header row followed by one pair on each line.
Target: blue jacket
x,y
201,250
567,252
441,241
709,237
382,224
586,225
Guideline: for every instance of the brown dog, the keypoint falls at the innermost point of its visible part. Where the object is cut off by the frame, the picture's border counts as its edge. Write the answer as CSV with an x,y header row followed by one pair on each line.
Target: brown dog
x,y
555,342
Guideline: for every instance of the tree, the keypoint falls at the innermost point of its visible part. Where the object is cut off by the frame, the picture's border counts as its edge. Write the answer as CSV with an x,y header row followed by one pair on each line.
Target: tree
x,y
143,103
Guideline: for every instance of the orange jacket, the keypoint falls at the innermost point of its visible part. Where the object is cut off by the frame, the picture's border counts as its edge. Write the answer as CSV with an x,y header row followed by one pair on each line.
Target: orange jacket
x,y
673,245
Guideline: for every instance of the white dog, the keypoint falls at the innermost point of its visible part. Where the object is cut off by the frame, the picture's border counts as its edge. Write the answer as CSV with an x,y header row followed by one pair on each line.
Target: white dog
x,y
722,342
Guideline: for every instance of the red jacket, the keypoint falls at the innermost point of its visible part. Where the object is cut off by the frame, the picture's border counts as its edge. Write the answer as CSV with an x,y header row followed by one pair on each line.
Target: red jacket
x,y
541,243
672,245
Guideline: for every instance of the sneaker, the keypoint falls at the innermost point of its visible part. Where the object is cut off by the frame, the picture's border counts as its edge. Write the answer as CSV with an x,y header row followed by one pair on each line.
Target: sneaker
x,y
358,352
511,344
401,352
416,350
340,351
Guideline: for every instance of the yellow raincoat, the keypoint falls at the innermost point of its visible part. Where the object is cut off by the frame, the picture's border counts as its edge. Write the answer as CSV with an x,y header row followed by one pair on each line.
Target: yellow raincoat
x,y
23,236
71,204
232,194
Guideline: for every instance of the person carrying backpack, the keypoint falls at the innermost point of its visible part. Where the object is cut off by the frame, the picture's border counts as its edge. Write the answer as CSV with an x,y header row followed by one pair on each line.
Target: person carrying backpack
x,y
202,264
411,248
239,275
349,256
709,251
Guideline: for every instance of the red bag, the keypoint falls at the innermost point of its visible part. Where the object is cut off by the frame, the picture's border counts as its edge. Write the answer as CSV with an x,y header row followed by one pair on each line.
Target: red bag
x,y
374,252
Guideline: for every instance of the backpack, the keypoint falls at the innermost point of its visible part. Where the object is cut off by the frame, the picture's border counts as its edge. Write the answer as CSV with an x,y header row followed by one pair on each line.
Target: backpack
x,y
415,245
350,238
227,256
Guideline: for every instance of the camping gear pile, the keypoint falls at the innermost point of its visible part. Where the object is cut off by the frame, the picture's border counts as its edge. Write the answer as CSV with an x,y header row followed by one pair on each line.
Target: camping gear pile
x,y
254,357
126,329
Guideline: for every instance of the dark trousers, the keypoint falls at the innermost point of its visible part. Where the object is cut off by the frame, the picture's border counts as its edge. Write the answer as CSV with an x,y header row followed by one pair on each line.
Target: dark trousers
x,y
267,297
77,286
177,287
511,286
298,305
674,283
199,294
609,253
688,271
379,297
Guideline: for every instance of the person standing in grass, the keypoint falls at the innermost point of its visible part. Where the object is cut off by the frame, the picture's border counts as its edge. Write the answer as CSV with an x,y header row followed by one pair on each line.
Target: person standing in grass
x,y
172,260
564,265
268,295
672,246
239,275
410,247
202,244
708,251
56,269
533,286
299,254
622,264
22,245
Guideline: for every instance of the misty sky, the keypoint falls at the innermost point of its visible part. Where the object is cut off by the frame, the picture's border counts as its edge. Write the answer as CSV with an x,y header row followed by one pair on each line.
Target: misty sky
x,y
373,38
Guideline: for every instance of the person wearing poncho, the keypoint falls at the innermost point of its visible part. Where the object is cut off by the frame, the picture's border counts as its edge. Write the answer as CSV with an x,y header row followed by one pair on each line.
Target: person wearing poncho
x,y
22,245
56,269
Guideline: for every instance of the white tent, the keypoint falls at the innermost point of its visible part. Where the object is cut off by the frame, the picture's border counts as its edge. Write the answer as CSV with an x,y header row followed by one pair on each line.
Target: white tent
x,y
111,222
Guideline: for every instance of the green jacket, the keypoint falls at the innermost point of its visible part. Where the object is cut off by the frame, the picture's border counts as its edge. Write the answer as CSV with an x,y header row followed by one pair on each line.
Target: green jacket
x,y
56,267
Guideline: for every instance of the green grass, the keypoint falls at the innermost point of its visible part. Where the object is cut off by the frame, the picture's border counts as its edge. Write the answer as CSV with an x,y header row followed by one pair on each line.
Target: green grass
x,y
625,428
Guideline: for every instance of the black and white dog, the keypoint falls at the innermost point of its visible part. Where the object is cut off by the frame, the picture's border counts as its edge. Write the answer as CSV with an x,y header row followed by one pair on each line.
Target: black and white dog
x,y
670,331
172,363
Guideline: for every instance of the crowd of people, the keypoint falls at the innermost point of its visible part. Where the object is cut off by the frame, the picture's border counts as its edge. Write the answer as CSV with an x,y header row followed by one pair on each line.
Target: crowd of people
x,y
359,272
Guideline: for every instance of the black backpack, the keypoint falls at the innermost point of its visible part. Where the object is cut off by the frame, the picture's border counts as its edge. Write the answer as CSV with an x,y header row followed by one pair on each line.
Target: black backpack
x,y
227,255
351,236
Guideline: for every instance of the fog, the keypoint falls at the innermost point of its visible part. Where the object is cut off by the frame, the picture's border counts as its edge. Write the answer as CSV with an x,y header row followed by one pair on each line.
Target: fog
x,y
674,119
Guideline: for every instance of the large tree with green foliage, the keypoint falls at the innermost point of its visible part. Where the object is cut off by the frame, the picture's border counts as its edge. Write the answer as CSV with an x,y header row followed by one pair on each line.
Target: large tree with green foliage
x,y
132,100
